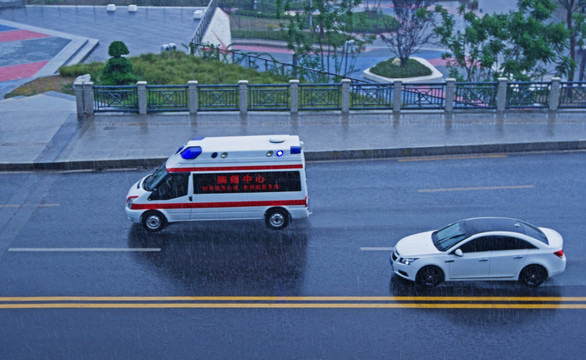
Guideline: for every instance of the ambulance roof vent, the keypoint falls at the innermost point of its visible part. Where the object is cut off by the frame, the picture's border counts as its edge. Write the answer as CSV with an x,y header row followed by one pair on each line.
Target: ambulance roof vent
x,y
277,140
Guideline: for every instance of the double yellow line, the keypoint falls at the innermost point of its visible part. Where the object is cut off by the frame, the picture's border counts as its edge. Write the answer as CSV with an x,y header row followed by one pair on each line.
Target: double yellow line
x,y
294,302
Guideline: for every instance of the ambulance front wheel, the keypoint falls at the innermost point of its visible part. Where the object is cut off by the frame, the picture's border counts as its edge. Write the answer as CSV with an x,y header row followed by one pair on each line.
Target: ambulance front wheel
x,y
153,221
277,218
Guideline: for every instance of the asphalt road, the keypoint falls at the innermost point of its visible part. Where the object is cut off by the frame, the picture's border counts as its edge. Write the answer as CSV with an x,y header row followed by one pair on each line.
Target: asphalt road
x,y
78,281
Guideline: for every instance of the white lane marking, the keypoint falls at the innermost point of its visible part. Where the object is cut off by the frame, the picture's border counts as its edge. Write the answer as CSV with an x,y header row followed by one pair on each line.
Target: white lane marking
x,y
84,249
454,157
376,249
22,205
480,188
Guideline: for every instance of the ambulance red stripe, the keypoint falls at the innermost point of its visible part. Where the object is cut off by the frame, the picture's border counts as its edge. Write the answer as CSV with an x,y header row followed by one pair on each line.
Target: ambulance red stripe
x,y
236,168
224,204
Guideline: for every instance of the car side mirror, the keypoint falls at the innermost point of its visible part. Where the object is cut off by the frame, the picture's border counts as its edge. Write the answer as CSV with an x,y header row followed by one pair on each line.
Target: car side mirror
x,y
458,252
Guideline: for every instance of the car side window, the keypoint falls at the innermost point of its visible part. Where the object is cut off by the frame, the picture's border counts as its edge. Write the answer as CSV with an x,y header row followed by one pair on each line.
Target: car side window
x,y
171,187
503,243
477,245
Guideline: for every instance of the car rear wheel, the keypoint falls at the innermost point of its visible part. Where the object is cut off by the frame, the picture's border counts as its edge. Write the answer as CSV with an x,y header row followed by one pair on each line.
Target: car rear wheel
x,y
153,221
533,276
277,219
429,276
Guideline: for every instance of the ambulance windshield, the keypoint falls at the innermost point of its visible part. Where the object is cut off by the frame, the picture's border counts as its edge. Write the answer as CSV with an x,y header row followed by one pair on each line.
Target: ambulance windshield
x,y
155,178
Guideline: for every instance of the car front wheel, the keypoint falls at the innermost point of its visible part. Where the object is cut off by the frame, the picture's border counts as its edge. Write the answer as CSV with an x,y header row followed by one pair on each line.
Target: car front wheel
x,y
153,221
533,276
429,276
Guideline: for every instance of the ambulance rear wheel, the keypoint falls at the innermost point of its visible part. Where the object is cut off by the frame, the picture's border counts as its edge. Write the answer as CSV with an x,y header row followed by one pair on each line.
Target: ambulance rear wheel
x,y
153,221
277,219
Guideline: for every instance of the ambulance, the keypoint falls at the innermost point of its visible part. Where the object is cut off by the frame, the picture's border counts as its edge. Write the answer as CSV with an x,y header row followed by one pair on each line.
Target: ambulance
x,y
225,178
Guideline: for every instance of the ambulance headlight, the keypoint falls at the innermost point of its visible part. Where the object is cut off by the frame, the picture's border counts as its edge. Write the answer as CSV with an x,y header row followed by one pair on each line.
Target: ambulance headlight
x,y
129,201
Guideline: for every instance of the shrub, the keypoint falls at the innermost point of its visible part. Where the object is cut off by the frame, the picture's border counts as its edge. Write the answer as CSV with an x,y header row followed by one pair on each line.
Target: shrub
x,y
412,69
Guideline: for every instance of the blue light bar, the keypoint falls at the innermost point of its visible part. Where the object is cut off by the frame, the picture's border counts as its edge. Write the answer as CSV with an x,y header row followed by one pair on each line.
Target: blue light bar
x,y
191,152
295,149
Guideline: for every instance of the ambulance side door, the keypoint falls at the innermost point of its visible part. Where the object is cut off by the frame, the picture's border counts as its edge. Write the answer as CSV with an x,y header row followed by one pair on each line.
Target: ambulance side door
x,y
171,195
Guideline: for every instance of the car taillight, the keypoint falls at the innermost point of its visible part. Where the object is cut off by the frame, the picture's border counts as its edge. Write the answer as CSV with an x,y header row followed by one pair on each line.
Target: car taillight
x,y
559,253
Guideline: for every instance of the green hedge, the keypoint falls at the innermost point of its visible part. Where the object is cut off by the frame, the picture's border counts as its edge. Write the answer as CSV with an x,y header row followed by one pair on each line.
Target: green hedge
x,y
412,69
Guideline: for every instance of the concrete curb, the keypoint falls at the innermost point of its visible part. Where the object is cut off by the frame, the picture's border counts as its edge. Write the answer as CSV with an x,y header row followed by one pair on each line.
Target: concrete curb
x,y
98,165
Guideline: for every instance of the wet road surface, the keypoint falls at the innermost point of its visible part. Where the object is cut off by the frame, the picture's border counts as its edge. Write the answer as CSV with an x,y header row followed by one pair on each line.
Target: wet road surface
x,y
79,279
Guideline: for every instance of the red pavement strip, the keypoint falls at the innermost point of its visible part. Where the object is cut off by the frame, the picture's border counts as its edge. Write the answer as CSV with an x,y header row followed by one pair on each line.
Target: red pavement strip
x,y
16,35
22,71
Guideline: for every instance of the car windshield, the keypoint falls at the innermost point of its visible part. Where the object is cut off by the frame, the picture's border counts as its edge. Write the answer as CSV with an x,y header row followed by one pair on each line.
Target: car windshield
x,y
155,178
449,236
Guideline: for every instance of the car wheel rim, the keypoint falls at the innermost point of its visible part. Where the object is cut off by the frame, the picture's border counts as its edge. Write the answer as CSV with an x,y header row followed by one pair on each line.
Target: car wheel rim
x,y
153,222
277,220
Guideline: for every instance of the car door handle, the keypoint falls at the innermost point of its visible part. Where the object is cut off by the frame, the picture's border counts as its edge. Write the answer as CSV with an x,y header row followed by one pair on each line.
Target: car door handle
x,y
484,259
517,257
449,261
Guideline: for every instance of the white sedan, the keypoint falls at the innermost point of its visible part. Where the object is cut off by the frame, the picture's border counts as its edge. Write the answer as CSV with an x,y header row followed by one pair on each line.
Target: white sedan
x,y
489,248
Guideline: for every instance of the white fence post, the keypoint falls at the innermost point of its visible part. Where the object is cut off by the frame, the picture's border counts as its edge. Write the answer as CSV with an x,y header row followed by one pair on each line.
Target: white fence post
x,y
450,94
142,97
554,93
79,101
88,97
346,95
501,94
243,96
294,86
397,86
192,89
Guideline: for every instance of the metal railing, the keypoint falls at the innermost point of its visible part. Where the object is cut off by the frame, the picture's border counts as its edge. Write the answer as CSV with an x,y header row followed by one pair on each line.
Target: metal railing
x,y
423,96
268,97
528,95
343,96
265,63
115,98
375,96
218,97
167,98
319,97
573,95
203,24
475,95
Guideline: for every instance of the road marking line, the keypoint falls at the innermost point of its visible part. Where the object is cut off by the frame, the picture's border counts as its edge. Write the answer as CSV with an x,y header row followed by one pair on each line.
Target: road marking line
x,y
292,306
23,205
500,299
511,187
376,249
84,249
455,157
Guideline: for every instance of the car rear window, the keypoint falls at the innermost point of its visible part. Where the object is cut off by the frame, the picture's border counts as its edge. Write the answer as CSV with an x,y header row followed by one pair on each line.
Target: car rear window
x,y
534,232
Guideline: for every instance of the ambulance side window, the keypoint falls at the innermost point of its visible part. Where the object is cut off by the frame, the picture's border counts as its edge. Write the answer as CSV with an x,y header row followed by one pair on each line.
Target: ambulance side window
x,y
172,186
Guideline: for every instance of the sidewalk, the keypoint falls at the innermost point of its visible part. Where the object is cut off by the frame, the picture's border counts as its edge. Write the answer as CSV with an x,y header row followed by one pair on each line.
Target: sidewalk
x,y
42,132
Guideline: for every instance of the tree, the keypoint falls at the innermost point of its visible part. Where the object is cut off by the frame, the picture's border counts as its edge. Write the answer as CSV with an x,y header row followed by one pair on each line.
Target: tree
x,y
414,30
520,45
324,45
473,52
574,21
118,70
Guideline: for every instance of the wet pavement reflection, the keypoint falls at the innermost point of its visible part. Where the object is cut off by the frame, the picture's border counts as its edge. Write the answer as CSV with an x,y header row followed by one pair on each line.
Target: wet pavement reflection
x,y
228,259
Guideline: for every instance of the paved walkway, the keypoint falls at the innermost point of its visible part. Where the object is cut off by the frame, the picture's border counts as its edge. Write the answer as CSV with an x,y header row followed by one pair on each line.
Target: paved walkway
x,y
42,132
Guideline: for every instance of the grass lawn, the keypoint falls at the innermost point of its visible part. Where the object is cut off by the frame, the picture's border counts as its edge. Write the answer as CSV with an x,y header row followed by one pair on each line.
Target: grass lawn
x,y
57,83
412,69
174,68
